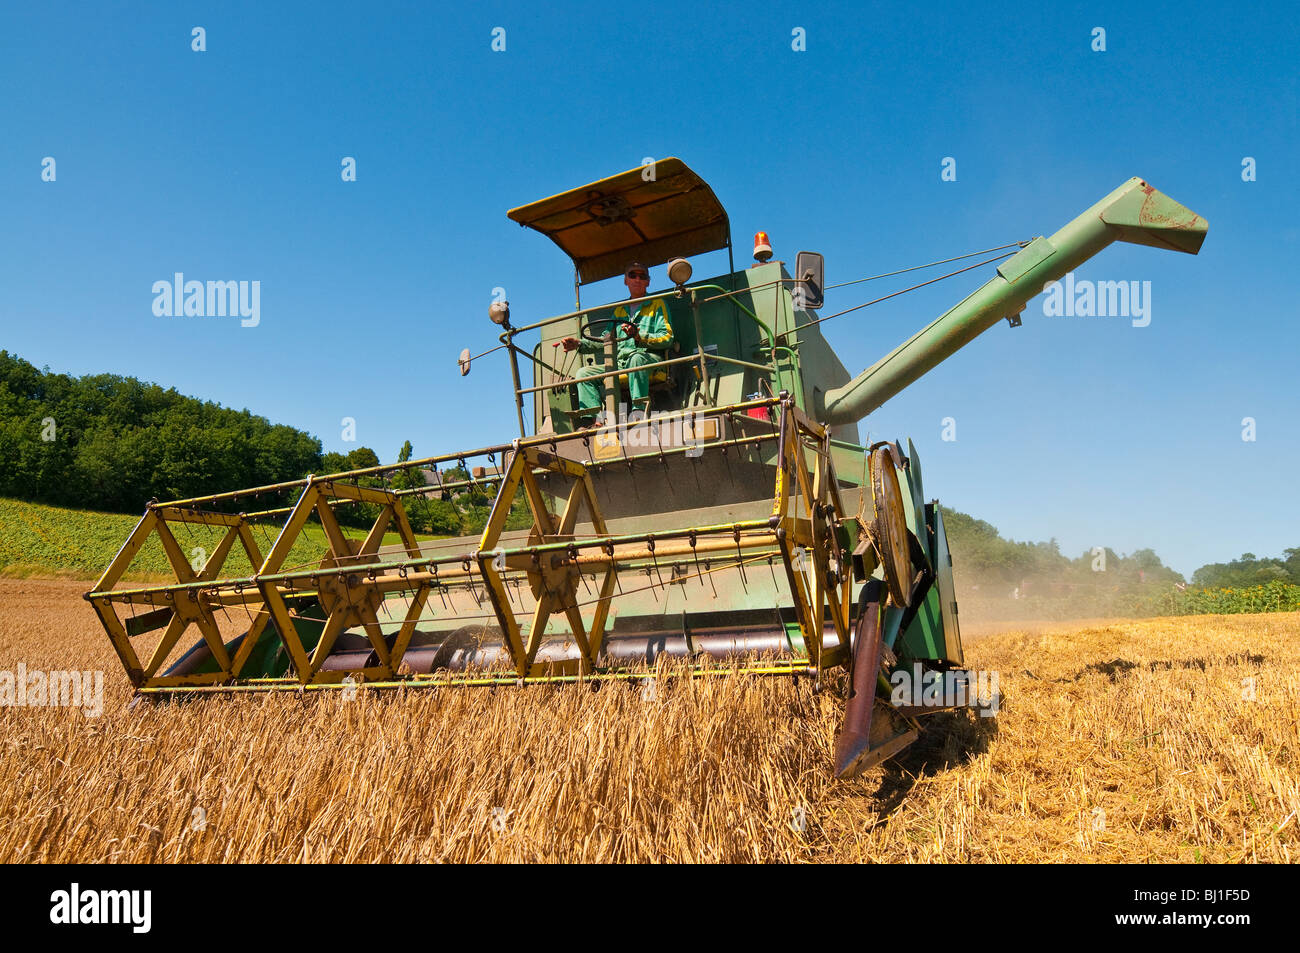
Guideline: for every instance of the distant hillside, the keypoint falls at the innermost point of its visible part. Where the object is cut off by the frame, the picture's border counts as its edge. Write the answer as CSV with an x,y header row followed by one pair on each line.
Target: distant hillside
x,y
112,443
999,579
1002,579
989,559
1251,570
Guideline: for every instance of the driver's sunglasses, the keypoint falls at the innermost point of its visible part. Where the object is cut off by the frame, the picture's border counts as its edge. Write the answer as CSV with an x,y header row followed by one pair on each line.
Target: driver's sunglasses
x,y
638,275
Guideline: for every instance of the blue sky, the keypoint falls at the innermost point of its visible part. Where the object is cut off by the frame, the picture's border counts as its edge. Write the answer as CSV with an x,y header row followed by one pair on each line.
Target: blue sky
x,y
225,164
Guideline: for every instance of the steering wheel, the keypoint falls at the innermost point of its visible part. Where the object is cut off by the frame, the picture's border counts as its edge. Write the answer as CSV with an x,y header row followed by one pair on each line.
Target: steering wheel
x,y
588,333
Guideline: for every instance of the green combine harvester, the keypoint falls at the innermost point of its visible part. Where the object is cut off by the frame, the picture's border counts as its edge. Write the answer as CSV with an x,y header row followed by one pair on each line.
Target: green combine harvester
x,y
695,485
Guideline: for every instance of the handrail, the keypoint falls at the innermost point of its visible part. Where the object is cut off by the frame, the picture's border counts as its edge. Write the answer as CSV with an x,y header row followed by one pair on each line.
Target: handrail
x,y
565,382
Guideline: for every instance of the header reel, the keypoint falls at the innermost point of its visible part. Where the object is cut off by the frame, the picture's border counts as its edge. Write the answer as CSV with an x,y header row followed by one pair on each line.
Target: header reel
x,y
576,597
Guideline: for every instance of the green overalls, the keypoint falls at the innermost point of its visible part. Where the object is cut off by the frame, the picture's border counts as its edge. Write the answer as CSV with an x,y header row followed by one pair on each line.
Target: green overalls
x,y
656,333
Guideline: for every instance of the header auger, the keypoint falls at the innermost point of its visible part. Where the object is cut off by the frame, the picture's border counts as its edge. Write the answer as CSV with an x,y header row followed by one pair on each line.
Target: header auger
x,y
720,522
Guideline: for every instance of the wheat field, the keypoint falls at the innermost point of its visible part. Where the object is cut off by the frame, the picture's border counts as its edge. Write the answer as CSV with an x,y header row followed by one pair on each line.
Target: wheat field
x,y
1117,741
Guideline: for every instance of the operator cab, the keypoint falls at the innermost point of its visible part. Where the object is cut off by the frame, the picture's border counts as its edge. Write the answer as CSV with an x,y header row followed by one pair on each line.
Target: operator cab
x,y
738,336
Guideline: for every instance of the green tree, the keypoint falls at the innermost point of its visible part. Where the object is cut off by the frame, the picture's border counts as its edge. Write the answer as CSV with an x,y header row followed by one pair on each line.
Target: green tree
x,y
119,442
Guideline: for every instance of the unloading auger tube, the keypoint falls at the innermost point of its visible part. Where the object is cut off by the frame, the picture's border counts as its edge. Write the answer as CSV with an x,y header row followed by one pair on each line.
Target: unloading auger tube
x,y
1135,212
721,535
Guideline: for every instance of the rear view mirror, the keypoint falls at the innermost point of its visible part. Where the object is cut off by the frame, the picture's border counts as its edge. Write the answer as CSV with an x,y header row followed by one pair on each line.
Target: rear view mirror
x,y
809,267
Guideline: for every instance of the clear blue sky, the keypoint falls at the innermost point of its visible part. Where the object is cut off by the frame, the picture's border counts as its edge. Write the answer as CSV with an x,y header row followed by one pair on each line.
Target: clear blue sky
x,y
225,165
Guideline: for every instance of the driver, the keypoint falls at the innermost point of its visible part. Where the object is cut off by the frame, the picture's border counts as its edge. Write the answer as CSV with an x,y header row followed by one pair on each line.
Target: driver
x,y
644,330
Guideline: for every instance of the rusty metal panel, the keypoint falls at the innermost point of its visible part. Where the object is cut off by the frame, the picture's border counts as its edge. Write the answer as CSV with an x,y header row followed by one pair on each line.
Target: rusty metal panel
x,y
645,214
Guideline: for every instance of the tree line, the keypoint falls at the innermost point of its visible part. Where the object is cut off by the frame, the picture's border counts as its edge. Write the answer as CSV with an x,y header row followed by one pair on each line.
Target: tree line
x,y
1251,570
981,554
108,442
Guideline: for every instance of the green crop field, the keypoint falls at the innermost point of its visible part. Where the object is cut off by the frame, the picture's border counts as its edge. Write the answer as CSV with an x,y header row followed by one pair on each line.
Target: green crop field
x,y
40,540
1269,597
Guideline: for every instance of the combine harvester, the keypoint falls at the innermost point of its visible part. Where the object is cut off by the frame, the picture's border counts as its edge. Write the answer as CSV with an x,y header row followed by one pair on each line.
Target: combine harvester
x,y
734,516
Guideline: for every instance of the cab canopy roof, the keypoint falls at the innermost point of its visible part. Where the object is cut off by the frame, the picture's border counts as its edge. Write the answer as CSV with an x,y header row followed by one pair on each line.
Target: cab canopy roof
x,y
649,214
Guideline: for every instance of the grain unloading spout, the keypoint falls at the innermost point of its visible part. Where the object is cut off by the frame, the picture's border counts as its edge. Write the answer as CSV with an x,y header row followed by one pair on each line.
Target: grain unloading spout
x,y
1135,212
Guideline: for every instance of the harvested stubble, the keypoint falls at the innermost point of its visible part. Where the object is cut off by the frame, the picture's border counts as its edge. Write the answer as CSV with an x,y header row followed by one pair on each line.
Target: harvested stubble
x,y
1128,741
